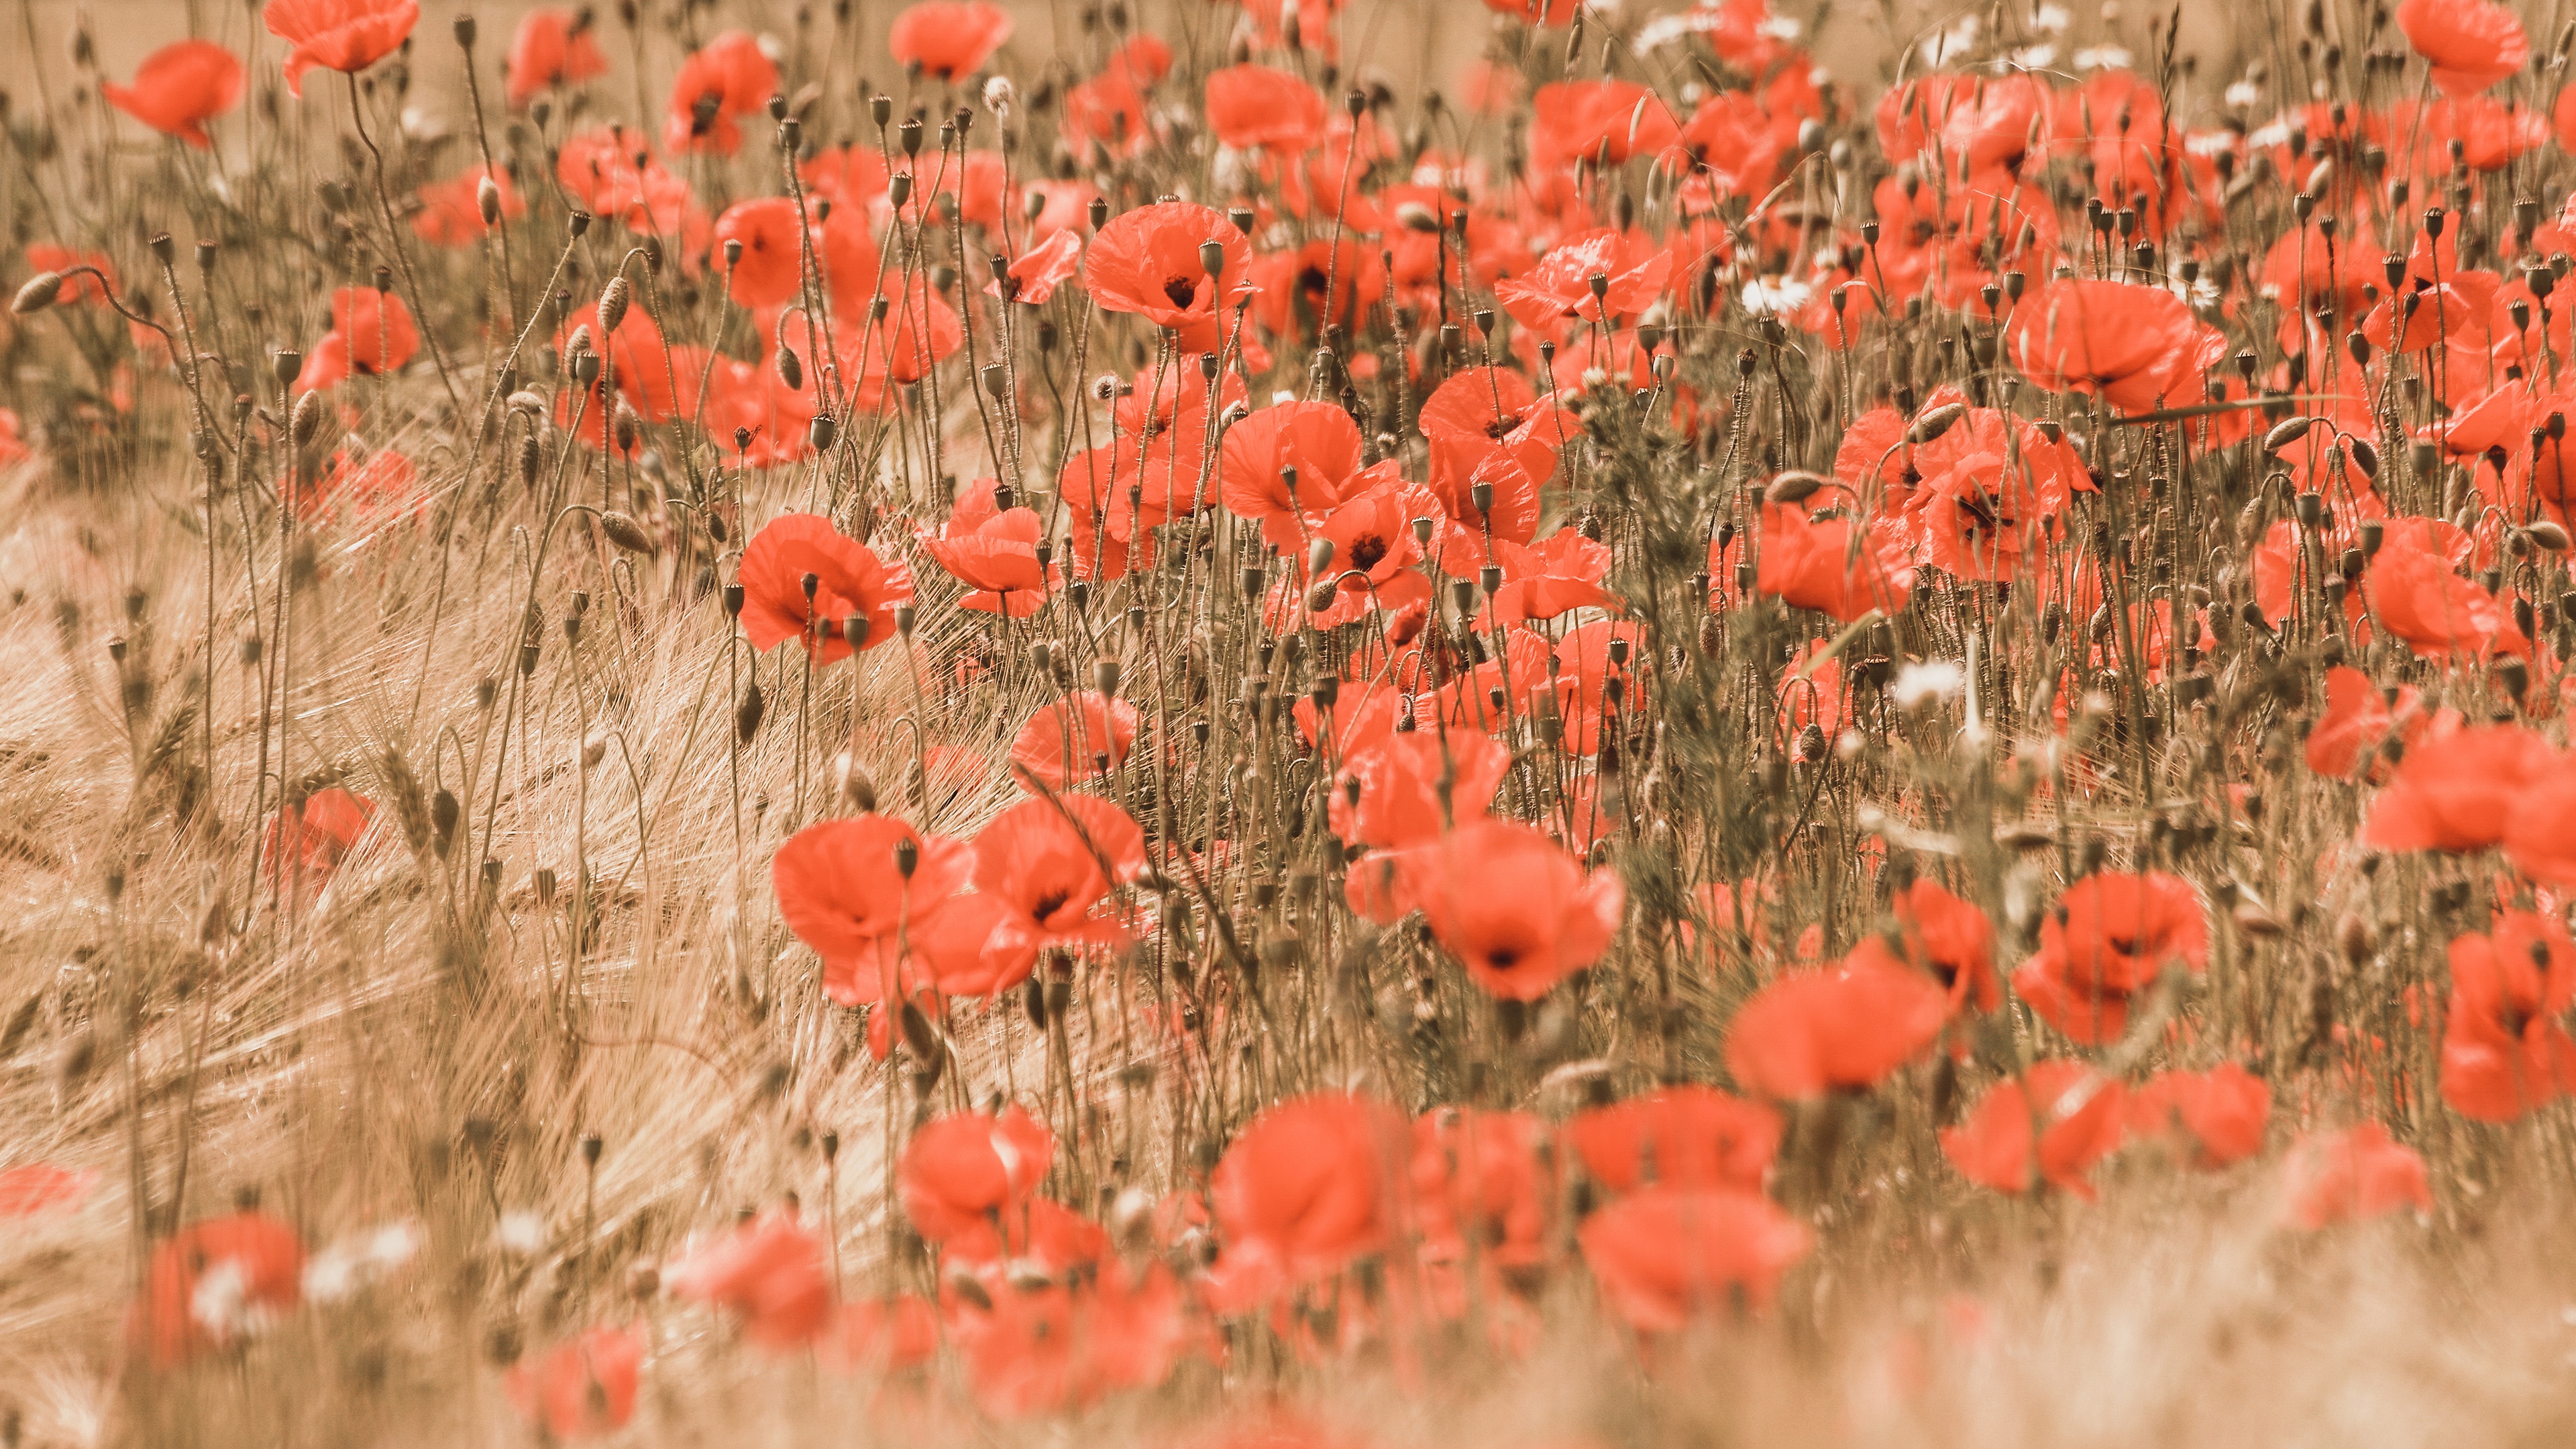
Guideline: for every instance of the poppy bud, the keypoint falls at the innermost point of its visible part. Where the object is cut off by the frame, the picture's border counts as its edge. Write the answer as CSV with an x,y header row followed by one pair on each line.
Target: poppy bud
x,y
1319,556
2286,432
1935,422
487,201
2548,535
40,292
746,716
1320,597
626,533
791,369
1794,488
612,305
1099,212
306,420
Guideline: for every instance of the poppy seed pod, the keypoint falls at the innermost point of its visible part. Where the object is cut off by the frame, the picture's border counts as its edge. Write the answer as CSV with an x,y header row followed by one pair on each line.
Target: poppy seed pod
x,y
1212,257
585,368
822,432
612,304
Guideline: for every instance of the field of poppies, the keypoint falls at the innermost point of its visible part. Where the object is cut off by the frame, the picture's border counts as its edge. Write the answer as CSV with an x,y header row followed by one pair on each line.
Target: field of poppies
x,y
817,725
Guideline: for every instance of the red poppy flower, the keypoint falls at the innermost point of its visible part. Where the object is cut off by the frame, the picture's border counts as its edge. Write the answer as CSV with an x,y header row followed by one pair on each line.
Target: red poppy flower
x,y
2357,718
2504,1050
1517,911
2220,1113
1557,575
215,1282
1067,742
13,446
1307,1187
1048,863
2110,937
2416,596
772,269
770,1272
2460,791
1668,1254
39,1187
313,841
1390,792
965,1172
583,1387
1034,275
1820,564
1376,560
1480,1184
179,88
994,553
2121,341
949,41
850,581
342,35
841,891
1146,261
1847,1027
552,47
1687,1136
1560,286
1286,461
1108,109
48,257
2051,1126
2471,44
729,76
1951,938
451,211
1258,108
2352,1176
376,328
1598,120
896,1335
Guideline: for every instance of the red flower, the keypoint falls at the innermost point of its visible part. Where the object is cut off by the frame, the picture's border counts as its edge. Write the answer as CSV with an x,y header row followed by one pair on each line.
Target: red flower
x,y
1069,740
2540,833
2471,44
583,1387
949,41
551,47
2352,1176
374,331
841,891
1669,1254
2110,937
994,552
1035,274
1559,574
1257,108
770,1272
313,839
1517,911
2460,791
2126,343
37,1187
1390,791
1287,461
342,35
1817,564
1307,1187
894,1336
2220,1113
1375,560
2504,1050
2357,718
771,272
1600,120
1480,1185
1146,261
180,87
2057,1121
451,211
1687,1136
727,77
1560,286
968,1173
851,581
1847,1027
2416,596
1048,863
215,1282
1951,938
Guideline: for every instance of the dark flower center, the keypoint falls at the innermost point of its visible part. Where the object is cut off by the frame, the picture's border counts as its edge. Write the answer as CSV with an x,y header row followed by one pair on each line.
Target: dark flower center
x,y
1180,290
1050,903
1502,425
1367,552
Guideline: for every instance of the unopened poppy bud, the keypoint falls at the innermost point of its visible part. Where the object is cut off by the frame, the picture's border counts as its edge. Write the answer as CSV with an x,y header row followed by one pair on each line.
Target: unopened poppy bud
x,y
1935,422
2548,535
487,201
1319,556
626,533
306,421
1792,488
855,786
746,715
791,369
2285,432
1320,598
1212,257
612,304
